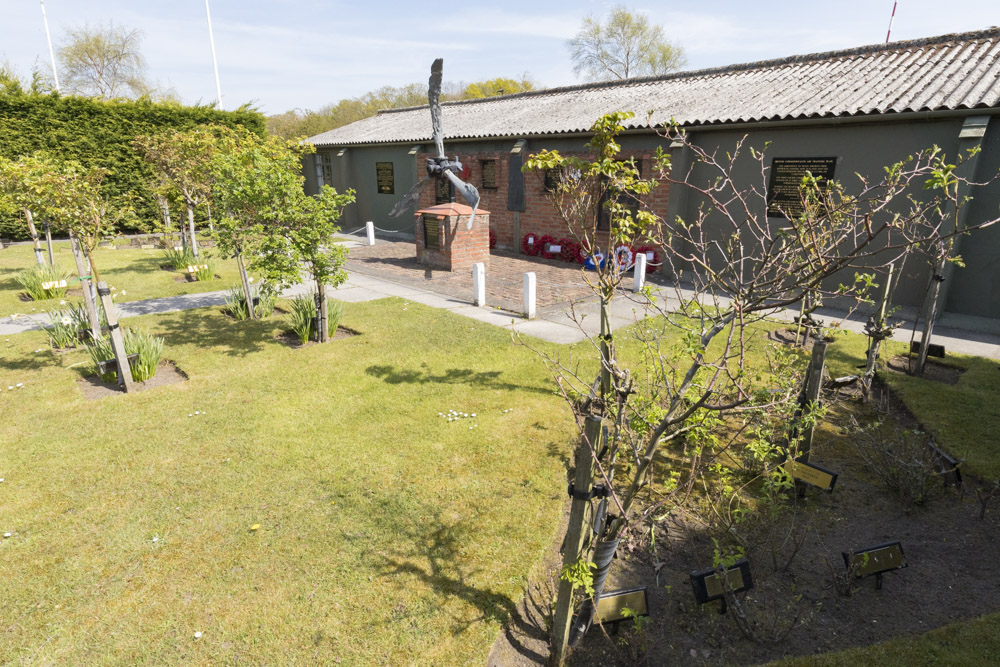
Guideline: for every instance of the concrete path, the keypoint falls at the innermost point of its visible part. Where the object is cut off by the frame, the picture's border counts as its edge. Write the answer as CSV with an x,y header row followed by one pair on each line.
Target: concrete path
x,y
557,324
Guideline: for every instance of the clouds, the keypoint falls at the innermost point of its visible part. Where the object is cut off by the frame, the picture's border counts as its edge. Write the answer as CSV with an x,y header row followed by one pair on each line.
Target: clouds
x,y
305,53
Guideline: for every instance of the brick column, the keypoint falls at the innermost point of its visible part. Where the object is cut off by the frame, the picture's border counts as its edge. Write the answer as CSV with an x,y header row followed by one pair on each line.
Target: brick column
x,y
444,240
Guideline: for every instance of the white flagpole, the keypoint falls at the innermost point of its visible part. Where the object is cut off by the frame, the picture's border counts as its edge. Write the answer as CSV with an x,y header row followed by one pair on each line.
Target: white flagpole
x,y
52,55
889,31
215,63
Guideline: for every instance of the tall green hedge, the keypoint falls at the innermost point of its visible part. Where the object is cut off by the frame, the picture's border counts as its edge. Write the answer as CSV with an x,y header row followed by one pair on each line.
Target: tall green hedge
x,y
99,133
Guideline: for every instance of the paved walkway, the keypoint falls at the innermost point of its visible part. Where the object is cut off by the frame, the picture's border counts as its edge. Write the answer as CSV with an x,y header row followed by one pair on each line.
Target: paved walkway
x,y
566,311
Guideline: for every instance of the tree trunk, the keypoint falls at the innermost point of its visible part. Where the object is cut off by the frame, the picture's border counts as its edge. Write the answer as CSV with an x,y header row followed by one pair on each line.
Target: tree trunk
x,y
39,256
932,308
246,286
168,227
211,227
323,313
873,348
48,242
194,242
88,294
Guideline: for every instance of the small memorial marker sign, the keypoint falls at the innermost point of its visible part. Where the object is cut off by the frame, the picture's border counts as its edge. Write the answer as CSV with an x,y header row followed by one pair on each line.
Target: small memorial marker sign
x,y
875,560
611,605
708,585
810,474
53,284
933,349
193,268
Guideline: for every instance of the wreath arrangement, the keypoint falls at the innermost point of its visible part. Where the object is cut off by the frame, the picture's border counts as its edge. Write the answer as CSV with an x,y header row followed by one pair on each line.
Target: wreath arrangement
x,y
581,253
545,243
652,257
567,252
493,239
530,244
624,257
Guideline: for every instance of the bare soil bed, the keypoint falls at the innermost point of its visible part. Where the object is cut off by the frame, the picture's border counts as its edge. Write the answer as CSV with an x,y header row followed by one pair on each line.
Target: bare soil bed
x,y
167,373
950,575
292,340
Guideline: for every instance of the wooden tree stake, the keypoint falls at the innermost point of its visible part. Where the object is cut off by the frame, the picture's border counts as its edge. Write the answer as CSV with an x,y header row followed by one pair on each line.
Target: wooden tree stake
x,y
814,382
117,342
88,293
576,535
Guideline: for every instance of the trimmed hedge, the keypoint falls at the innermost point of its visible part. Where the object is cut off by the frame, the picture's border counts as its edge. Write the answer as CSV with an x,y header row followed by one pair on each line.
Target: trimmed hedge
x,y
99,133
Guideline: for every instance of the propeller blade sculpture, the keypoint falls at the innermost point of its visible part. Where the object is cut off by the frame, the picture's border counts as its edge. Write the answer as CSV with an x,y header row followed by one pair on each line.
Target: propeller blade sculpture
x,y
439,167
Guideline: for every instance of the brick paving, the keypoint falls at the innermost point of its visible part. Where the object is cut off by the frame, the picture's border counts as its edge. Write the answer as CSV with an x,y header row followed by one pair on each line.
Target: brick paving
x,y
558,283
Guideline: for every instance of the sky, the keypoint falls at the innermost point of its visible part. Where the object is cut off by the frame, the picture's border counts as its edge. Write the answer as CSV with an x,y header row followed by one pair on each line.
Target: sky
x,y
284,54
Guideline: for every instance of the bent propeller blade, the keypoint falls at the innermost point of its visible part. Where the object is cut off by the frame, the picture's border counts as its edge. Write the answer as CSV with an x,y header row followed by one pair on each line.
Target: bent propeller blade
x,y
434,99
411,198
468,191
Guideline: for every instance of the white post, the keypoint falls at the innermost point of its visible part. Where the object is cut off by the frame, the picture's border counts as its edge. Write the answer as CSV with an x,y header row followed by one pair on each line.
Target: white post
x,y
52,55
215,62
370,230
639,274
479,284
529,295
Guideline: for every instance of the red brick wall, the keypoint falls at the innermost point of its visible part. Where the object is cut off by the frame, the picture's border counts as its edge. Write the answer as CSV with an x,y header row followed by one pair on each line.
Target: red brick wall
x,y
540,216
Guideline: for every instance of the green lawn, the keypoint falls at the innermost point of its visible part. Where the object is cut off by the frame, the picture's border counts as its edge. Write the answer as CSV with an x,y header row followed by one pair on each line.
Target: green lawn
x,y
387,534
134,271
965,417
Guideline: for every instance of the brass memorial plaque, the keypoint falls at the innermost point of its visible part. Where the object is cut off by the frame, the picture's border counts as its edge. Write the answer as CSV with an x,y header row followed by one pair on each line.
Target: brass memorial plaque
x,y
878,559
489,174
432,232
713,584
385,178
610,606
810,474
786,178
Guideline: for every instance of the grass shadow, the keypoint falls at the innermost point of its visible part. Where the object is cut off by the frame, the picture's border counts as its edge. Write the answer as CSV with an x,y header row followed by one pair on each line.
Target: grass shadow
x,y
238,339
394,375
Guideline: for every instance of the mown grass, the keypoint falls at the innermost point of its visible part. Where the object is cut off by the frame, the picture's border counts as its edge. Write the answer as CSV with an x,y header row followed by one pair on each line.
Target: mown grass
x,y
387,534
974,642
135,272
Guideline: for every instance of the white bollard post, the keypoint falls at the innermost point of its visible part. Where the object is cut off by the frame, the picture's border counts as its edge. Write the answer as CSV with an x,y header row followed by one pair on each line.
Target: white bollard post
x,y
479,284
370,230
640,271
529,295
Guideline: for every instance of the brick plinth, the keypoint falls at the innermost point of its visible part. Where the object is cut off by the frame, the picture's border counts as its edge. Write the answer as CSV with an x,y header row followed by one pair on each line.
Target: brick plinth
x,y
457,247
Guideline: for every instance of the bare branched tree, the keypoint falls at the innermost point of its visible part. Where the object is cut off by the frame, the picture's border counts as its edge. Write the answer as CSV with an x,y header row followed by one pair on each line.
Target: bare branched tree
x,y
103,61
624,46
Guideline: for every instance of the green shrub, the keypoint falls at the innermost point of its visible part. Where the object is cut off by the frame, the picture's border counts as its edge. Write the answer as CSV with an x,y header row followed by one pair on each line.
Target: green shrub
x,y
205,271
178,260
62,332
149,349
236,303
32,279
81,320
303,312
334,313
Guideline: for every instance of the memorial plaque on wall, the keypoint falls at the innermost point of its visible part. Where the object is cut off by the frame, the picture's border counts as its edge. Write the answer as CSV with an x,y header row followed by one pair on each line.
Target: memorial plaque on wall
x,y
786,179
442,191
552,178
489,174
384,177
515,183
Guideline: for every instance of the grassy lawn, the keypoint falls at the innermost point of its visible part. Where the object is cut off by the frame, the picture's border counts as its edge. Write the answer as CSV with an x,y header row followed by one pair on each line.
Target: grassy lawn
x,y
964,417
975,642
387,534
134,271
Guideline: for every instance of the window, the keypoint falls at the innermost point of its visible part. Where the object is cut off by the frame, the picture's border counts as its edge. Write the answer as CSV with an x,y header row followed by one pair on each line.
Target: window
x,y
489,168
627,199
324,170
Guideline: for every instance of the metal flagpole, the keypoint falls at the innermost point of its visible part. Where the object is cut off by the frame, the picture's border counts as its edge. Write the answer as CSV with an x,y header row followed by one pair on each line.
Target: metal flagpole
x,y
888,32
215,63
52,55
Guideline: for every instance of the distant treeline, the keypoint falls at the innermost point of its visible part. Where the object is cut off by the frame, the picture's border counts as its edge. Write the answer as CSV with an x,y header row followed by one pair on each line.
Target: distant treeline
x,y
299,123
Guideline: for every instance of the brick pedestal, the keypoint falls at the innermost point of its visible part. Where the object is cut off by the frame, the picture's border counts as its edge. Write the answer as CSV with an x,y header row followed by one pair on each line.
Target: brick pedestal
x,y
444,240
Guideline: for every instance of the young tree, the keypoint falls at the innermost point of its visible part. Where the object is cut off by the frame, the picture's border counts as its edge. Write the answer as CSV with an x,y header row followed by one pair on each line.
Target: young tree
x,y
309,224
739,268
624,46
103,61
31,184
182,159
256,182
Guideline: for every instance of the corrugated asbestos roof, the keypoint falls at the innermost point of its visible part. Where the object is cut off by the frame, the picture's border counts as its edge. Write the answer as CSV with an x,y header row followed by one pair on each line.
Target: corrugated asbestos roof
x,y
950,72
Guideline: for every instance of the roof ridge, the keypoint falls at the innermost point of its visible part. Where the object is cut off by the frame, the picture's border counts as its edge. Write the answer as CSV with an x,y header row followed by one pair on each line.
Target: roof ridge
x,y
993,31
